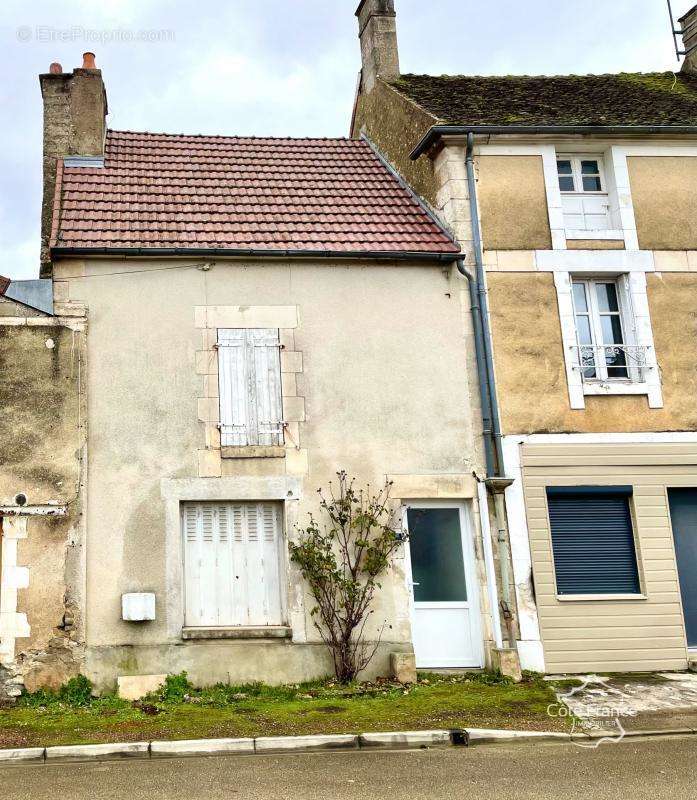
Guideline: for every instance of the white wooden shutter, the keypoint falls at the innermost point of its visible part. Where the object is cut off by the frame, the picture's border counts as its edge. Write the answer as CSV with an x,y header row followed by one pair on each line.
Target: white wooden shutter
x,y
249,374
232,558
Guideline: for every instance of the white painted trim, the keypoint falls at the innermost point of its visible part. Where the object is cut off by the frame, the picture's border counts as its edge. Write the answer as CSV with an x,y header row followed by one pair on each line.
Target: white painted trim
x,y
621,203
611,235
46,510
530,648
471,581
595,260
646,437
13,624
567,321
492,589
642,335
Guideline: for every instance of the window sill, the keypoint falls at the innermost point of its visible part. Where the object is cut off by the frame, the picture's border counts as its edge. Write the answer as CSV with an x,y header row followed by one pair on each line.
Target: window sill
x,y
615,387
585,598
251,632
602,235
253,451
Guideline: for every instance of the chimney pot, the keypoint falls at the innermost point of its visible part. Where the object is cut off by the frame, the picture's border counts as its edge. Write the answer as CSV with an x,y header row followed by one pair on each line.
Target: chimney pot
x,y
55,68
88,61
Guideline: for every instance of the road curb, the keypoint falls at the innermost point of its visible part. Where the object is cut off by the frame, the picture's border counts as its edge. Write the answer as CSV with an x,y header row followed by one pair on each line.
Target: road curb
x,y
263,745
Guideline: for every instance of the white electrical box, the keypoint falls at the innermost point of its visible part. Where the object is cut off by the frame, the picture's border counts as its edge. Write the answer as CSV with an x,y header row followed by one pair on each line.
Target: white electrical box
x,y
138,606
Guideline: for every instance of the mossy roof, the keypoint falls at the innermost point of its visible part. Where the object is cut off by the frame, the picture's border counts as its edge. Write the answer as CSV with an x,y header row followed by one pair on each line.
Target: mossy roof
x,y
627,98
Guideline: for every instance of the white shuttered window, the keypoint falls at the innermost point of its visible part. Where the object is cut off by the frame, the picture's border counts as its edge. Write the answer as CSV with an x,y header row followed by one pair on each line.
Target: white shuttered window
x,y
249,376
232,564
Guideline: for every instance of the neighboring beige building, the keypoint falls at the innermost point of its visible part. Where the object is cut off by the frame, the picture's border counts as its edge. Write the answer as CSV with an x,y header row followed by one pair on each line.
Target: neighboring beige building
x,y
262,313
583,193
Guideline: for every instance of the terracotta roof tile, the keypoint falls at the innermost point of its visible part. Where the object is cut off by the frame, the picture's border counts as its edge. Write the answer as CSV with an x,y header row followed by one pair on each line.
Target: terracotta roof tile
x,y
188,192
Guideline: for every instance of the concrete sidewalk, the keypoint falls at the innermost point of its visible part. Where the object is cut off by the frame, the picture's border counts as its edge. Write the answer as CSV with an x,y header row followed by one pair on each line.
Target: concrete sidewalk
x,y
643,702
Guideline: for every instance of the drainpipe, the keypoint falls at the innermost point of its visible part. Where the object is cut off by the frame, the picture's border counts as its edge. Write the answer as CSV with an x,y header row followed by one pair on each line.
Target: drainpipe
x,y
483,305
496,482
484,392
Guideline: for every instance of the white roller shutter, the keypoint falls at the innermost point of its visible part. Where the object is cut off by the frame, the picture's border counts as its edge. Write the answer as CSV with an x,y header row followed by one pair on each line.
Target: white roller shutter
x,y
249,375
232,564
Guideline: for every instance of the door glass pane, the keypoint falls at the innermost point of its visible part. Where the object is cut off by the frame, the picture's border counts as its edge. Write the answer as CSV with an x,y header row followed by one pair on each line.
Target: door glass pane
x,y
580,297
612,329
583,329
564,167
566,183
607,297
437,565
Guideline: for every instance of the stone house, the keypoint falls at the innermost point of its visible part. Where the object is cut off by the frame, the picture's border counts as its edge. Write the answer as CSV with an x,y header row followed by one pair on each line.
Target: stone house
x,y
41,531
574,200
260,313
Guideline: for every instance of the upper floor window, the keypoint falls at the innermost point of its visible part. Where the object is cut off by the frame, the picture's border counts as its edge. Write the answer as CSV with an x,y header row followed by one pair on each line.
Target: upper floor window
x,y
249,382
584,193
604,330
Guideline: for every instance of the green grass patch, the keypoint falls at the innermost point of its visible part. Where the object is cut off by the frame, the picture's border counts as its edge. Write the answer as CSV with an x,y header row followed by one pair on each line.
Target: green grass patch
x,y
181,711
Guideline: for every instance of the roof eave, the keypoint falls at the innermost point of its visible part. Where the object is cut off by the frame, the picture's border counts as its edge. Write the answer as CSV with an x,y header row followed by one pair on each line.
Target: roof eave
x,y
435,133
221,252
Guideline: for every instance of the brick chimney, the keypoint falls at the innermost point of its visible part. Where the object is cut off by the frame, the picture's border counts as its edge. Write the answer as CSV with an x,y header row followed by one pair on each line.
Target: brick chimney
x,y
688,27
377,31
75,109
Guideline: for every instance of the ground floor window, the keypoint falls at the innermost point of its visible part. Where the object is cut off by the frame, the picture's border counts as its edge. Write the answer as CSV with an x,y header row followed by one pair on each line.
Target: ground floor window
x,y
593,540
232,564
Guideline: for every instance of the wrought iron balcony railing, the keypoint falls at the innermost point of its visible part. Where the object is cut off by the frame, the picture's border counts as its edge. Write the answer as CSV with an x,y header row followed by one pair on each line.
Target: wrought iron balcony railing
x,y
612,362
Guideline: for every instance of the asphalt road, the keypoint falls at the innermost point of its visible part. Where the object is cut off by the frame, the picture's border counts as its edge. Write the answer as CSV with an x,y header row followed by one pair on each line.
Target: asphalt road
x,y
656,769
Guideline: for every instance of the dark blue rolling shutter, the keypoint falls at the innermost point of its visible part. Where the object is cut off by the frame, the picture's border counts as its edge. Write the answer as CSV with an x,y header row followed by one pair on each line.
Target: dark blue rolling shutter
x,y
592,539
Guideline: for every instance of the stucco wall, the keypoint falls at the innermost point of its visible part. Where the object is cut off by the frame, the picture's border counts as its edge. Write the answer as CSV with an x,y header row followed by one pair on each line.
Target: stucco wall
x,y
664,191
42,435
396,124
513,203
529,360
386,392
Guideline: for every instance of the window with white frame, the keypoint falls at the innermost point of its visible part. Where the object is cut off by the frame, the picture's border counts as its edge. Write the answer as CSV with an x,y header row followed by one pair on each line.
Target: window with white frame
x,y
233,564
584,192
249,379
605,331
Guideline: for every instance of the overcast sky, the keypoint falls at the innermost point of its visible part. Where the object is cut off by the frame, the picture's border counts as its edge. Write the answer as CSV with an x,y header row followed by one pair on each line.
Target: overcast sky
x,y
277,67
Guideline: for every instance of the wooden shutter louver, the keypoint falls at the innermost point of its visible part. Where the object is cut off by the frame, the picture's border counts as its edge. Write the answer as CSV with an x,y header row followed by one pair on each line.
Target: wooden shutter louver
x,y
593,540
249,375
232,562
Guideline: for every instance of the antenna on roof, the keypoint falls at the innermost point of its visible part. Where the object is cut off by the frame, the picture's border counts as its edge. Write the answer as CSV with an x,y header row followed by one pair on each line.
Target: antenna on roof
x,y
675,32
680,32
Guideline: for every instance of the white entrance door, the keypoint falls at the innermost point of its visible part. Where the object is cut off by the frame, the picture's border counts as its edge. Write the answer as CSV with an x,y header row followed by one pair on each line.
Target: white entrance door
x,y
446,623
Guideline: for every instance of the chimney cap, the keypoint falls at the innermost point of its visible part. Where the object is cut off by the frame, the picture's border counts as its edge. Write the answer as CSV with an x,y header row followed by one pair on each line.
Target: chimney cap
x,y
382,7
55,69
88,61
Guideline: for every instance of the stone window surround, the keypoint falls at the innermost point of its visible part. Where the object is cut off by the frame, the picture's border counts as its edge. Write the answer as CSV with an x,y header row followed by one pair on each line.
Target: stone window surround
x,y
13,577
208,319
643,335
174,491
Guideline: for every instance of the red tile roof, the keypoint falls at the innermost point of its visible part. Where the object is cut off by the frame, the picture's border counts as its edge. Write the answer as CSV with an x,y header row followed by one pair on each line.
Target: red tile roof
x,y
162,191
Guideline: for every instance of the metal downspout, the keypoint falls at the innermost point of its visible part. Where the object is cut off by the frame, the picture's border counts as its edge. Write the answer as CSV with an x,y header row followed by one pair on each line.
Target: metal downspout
x,y
496,482
484,393
483,305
